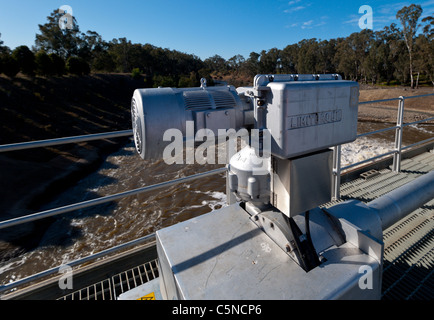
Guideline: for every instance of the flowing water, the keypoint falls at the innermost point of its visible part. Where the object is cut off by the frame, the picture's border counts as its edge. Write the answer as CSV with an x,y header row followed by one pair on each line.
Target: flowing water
x,y
83,232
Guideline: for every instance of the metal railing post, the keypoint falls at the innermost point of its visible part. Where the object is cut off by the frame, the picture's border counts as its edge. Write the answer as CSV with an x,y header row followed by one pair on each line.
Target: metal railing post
x,y
398,136
336,182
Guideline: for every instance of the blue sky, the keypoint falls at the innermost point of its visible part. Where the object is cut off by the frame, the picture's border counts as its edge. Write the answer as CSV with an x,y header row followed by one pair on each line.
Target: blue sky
x,y
203,28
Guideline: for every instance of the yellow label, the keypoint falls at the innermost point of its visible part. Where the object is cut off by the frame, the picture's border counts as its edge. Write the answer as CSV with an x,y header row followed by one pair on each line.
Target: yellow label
x,y
150,296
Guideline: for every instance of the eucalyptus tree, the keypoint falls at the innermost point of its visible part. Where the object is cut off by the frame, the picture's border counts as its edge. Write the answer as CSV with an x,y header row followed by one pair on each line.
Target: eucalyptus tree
x,y
409,18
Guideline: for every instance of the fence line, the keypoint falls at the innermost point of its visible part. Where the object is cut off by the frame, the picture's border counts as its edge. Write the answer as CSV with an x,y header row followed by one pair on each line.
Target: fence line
x,y
109,198
398,148
59,141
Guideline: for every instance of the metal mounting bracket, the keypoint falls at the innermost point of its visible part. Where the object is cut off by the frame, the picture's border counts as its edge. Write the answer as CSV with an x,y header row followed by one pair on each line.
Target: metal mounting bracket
x,y
284,231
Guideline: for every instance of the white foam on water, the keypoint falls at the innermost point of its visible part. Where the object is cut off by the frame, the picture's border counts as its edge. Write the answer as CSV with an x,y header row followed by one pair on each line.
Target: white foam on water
x,y
13,265
218,203
423,129
362,149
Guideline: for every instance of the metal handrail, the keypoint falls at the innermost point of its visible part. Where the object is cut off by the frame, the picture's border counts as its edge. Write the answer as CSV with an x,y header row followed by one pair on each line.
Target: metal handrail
x,y
376,131
59,141
416,122
375,101
109,198
44,143
397,152
418,143
367,160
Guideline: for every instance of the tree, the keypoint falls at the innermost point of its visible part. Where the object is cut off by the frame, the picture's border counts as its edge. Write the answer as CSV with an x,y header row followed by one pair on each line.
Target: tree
x,y
388,52
428,29
372,64
159,61
326,52
236,62
104,62
120,49
77,66
64,42
352,52
164,81
251,66
409,17
269,61
3,49
57,64
289,59
401,70
92,48
424,60
346,59
216,63
136,73
186,82
25,59
307,56
43,63
204,73
10,65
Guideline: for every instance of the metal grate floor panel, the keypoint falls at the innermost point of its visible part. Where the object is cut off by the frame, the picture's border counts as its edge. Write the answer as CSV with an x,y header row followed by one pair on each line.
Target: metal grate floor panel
x,y
111,288
408,267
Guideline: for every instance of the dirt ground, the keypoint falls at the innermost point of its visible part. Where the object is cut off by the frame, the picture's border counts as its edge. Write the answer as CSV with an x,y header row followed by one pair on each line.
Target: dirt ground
x,y
414,108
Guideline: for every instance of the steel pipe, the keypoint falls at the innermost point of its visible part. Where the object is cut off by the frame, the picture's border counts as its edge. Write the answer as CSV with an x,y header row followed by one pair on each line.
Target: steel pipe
x,y
400,202
368,160
60,141
376,131
336,183
376,101
416,122
418,143
398,136
420,96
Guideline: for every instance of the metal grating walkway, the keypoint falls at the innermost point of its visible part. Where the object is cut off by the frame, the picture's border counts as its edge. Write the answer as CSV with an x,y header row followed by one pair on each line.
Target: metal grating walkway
x,y
111,288
408,268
